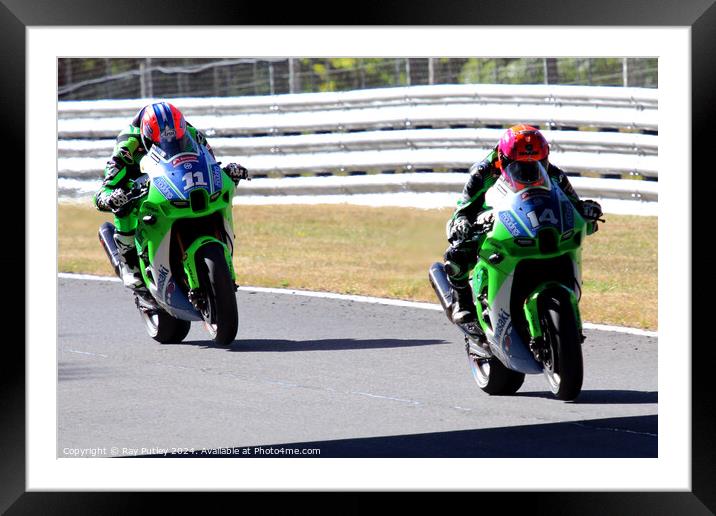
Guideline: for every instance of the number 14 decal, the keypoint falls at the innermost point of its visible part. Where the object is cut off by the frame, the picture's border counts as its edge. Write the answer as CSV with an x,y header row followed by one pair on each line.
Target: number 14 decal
x,y
193,179
547,215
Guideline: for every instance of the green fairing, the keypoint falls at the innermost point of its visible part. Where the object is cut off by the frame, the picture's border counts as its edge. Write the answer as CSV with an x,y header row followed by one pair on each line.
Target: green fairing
x,y
489,278
532,312
190,265
151,236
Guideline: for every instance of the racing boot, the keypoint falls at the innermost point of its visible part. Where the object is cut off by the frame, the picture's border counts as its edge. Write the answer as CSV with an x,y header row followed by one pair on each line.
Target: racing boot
x,y
463,307
129,262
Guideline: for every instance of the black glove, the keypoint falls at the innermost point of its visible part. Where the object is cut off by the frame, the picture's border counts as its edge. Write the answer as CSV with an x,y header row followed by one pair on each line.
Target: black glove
x,y
484,222
114,201
590,210
236,172
459,229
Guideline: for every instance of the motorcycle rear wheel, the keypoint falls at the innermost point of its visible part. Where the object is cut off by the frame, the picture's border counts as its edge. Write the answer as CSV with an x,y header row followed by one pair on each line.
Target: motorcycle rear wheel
x,y
493,377
221,316
164,328
565,368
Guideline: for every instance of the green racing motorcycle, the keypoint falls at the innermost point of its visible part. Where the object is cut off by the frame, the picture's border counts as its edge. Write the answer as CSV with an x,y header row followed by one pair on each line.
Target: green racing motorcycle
x,y
185,241
526,286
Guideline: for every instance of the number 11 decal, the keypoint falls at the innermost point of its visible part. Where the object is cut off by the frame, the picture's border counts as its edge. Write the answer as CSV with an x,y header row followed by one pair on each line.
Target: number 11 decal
x,y
193,179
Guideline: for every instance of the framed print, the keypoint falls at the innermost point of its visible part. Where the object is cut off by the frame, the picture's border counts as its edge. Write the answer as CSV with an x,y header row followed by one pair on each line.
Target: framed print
x,y
675,470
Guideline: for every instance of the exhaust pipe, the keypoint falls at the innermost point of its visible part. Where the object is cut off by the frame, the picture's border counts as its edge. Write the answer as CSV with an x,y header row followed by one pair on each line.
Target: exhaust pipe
x,y
441,286
106,238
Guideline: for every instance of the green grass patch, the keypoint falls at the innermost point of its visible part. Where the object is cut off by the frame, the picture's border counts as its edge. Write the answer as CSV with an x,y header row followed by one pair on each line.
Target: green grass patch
x,y
386,252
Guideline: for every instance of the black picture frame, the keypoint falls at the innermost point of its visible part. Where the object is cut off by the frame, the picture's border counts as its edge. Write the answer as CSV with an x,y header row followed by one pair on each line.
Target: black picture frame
x,y
700,15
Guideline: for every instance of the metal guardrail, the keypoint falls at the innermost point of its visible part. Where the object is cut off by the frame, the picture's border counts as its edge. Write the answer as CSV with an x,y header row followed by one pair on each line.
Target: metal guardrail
x,y
438,128
560,141
604,96
390,117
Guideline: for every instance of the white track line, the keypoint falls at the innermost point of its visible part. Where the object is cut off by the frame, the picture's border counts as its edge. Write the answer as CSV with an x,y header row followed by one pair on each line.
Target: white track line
x,y
366,299
85,353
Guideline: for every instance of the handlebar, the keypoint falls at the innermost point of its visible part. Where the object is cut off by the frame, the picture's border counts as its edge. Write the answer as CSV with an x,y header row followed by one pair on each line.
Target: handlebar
x,y
594,218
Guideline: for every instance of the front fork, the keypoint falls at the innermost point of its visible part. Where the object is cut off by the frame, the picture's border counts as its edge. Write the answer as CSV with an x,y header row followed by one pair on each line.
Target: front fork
x,y
531,310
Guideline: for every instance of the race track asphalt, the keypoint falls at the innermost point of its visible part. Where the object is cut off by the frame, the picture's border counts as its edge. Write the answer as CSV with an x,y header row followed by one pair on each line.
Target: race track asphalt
x,y
347,378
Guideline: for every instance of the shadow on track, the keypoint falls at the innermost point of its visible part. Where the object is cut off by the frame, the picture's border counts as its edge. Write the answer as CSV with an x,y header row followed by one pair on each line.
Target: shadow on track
x,y
272,345
634,436
604,397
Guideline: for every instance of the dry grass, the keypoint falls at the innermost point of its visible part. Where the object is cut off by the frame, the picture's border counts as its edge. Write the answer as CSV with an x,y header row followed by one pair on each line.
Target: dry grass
x,y
386,252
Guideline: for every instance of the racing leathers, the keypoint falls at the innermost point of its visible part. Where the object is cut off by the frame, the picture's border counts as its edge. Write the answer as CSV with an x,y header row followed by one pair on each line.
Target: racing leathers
x,y
465,229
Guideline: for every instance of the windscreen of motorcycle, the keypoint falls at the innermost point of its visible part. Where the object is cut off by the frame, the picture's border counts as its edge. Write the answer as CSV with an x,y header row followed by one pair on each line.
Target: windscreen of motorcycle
x,y
178,176
170,147
537,207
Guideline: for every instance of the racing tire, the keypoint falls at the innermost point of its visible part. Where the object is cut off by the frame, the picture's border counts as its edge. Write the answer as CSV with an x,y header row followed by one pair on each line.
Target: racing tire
x,y
493,377
164,328
565,369
221,317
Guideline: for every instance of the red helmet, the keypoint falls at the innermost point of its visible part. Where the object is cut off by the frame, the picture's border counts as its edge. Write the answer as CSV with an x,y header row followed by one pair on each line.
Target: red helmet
x,y
163,125
523,150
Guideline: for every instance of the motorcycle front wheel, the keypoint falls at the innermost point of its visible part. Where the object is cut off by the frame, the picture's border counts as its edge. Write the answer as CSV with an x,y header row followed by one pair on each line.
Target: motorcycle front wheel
x,y
221,316
564,369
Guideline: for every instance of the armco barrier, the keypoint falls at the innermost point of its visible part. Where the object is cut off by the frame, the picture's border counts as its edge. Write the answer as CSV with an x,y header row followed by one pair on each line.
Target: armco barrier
x,y
602,96
600,131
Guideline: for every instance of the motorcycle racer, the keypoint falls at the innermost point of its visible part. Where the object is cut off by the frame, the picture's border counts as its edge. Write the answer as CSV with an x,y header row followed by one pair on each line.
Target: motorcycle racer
x,y
160,124
518,156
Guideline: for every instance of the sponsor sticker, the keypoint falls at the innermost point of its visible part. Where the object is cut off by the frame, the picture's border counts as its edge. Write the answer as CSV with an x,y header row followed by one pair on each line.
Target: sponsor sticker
x,y
163,272
164,187
168,133
502,319
534,193
184,159
568,214
508,341
510,223
216,174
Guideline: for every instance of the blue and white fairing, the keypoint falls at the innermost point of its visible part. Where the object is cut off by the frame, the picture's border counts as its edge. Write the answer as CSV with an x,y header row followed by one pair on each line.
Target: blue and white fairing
x,y
539,208
176,178
526,212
